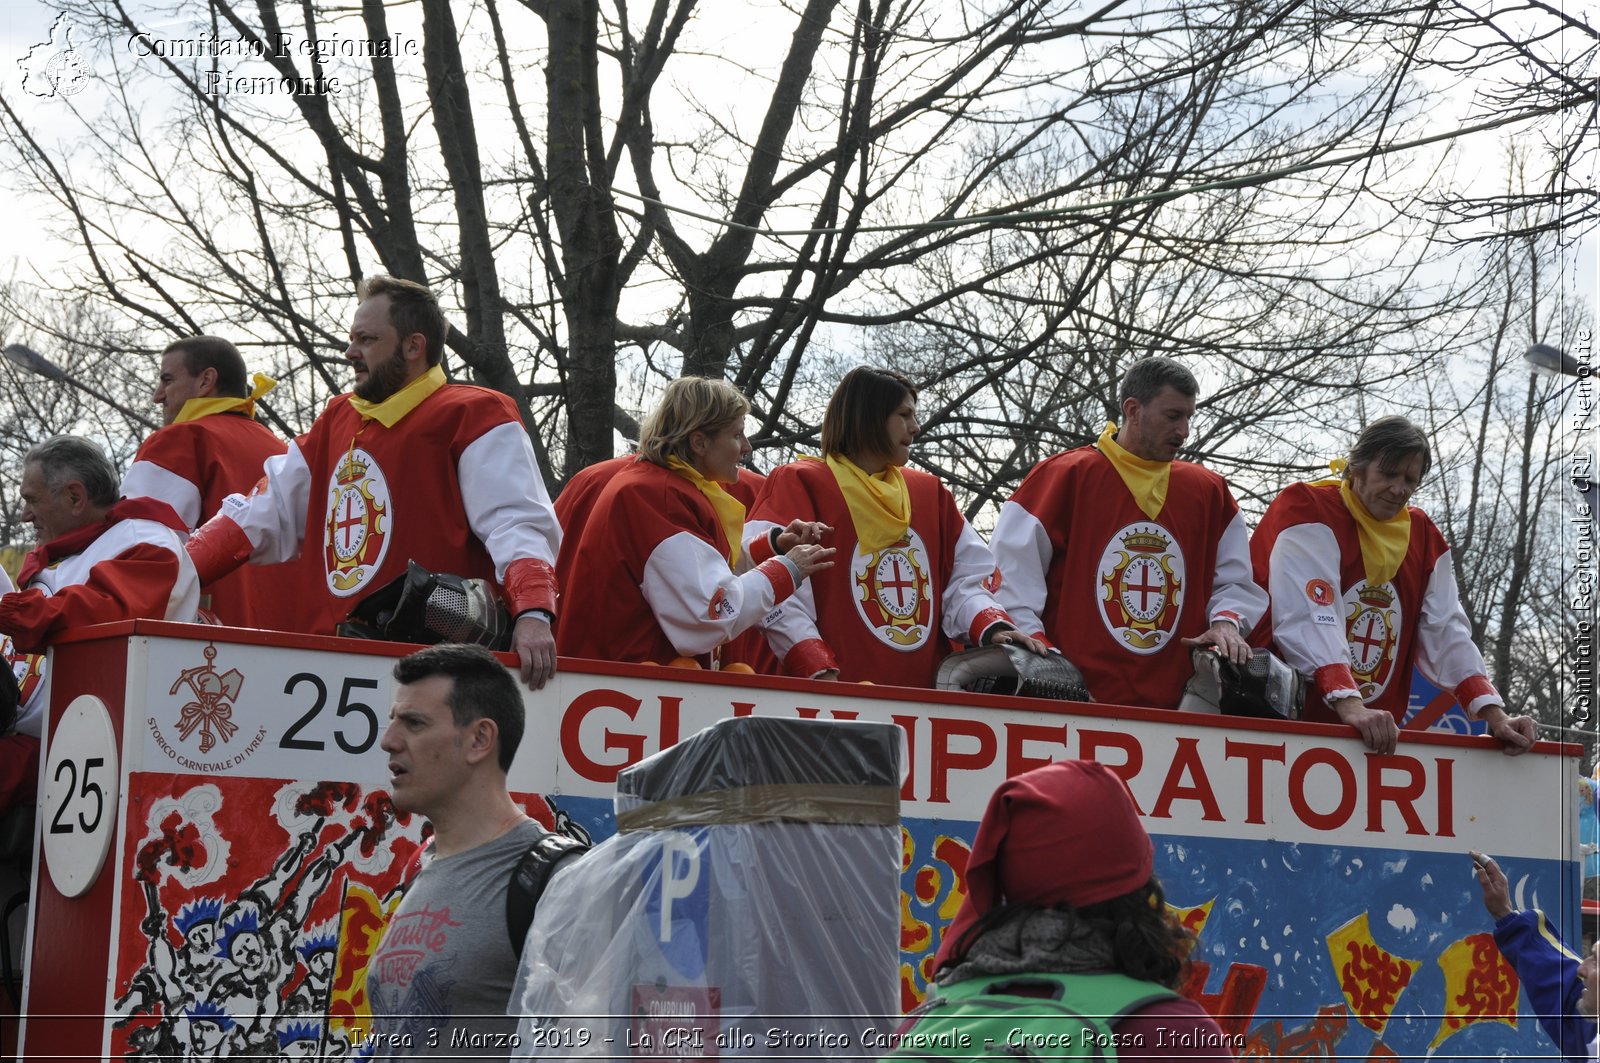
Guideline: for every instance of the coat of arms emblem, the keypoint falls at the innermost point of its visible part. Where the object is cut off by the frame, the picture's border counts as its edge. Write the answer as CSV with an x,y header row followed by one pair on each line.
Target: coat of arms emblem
x,y
359,519
893,591
1142,581
1372,625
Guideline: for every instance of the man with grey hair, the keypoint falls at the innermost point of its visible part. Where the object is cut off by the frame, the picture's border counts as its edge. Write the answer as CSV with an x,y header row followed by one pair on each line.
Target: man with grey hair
x,y
99,559
1126,558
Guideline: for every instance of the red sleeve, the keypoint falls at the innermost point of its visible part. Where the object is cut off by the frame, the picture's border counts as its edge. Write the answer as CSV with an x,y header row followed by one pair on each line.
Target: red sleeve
x,y
531,584
136,584
761,548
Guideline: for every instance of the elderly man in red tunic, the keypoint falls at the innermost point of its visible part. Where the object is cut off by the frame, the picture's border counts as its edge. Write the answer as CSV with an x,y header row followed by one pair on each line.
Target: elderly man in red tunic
x,y
100,558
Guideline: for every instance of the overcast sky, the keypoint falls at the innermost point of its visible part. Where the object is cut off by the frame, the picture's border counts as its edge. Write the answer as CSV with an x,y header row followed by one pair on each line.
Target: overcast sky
x,y
26,23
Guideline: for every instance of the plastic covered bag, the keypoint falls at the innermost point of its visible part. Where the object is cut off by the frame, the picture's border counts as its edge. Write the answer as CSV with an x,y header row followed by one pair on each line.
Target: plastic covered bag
x,y
747,908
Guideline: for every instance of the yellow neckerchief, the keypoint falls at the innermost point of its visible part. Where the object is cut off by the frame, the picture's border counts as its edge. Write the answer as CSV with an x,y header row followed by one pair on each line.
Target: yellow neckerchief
x,y
1383,542
194,409
1146,480
879,505
390,410
730,511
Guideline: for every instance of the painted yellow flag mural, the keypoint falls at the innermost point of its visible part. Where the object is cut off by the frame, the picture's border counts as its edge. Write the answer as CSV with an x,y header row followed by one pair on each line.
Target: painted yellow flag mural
x,y
1479,986
1371,977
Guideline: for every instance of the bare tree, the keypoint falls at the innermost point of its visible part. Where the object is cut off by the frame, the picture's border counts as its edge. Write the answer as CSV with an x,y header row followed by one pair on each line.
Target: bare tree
x,y
87,344
1540,59
607,197
1504,478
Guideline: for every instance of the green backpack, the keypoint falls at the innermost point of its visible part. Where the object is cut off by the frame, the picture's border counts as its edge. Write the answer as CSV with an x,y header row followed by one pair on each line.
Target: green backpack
x,y
1025,1016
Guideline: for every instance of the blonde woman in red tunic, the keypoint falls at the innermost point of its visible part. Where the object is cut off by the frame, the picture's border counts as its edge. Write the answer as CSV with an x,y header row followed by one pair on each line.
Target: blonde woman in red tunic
x,y
660,571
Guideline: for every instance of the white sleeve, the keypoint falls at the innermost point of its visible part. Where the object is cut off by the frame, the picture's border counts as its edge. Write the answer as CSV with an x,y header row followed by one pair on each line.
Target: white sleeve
x,y
146,479
273,516
1021,548
793,622
1234,592
1311,637
966,596
696,598
507,505
1446,654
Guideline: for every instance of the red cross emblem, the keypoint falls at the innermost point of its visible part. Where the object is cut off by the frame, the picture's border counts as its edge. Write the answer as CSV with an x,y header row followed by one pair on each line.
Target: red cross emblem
x,y
893,592
1372,623
356,528
1141,584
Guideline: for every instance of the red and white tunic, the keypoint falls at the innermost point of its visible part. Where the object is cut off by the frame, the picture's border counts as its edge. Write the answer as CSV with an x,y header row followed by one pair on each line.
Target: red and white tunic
x,y
131,566
1083,567
884,615
453,486
575,503
1354,639
650,579
192,466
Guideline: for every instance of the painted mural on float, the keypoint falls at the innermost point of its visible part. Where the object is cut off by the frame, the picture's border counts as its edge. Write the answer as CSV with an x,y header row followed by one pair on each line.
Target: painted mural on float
x,y
1336,913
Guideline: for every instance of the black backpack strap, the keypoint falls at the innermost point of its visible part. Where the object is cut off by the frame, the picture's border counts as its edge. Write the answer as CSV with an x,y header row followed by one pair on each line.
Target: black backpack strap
x,y
529,879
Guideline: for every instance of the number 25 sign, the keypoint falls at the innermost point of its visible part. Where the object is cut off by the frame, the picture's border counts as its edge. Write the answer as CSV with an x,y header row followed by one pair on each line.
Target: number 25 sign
x,y
80,795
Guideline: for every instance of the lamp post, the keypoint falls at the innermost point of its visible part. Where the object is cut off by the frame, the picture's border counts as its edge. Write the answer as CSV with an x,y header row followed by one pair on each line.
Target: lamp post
x,y
1552,360
34,362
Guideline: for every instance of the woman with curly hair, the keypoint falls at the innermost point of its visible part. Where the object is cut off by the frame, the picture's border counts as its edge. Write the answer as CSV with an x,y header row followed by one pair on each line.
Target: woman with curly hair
x,y
1065,918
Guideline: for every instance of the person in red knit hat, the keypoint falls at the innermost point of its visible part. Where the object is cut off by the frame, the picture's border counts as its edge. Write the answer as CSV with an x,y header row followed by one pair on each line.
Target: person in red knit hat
x,y
1063,906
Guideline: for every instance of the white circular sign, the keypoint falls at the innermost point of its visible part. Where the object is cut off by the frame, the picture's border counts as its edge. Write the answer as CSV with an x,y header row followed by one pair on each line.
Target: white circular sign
x,y
81,787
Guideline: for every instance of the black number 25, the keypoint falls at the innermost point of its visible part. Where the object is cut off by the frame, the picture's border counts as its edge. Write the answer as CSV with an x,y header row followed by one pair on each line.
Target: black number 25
x,y
291,738
59,824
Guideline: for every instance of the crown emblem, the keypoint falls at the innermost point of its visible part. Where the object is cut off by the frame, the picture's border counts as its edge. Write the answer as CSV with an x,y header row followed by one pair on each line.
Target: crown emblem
x,y
353,468
1379,597
1147,542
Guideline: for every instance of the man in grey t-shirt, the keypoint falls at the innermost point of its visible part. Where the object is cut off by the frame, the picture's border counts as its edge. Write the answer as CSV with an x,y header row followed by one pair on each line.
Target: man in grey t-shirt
x,y
441,978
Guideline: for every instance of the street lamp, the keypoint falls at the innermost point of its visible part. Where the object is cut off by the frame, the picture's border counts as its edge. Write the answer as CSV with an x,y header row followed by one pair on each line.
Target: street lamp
x,y
34,362
1552,360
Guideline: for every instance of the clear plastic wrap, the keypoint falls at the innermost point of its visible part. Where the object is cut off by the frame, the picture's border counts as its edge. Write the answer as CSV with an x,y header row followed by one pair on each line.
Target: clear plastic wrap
x,y
747,908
